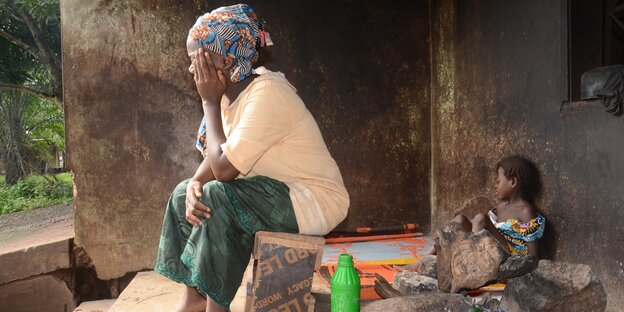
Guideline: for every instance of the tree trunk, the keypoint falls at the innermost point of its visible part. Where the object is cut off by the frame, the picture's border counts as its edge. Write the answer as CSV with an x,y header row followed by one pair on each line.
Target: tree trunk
x,y
13,134
14,168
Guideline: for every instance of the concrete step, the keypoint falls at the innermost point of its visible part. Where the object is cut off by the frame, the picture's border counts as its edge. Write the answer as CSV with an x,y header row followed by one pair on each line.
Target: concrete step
x,y
150,291
34,260
33,251
95,306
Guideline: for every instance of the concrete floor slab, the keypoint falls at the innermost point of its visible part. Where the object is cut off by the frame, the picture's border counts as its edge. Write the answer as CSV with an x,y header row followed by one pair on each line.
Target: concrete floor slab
x,y
95,306
40,293
150,291
37,250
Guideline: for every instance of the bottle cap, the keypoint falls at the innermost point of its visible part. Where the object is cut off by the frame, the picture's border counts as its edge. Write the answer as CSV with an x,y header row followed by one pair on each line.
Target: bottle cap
x,y
345,260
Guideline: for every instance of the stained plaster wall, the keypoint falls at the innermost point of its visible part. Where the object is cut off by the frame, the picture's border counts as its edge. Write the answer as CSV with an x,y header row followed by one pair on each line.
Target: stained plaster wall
x,y
130,113
361,67
499,78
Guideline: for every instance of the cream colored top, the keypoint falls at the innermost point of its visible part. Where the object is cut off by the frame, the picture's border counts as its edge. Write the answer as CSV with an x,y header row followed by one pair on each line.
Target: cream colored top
x,y
270,132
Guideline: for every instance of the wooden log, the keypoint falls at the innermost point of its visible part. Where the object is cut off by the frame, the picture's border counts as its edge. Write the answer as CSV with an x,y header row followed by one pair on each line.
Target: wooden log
x,y
466,260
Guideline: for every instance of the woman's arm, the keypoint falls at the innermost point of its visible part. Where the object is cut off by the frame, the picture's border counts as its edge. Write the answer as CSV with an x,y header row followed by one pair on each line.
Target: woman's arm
x,y
221,167
211,84
195,208
203,173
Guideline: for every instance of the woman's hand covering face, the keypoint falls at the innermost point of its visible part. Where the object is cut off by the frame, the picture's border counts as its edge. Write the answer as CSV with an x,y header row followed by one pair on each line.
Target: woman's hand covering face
x,y
210,80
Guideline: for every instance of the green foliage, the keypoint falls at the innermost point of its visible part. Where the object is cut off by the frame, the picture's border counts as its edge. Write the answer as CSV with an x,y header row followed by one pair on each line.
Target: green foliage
x,y
35,192
30,46
65,177
30,63
45,128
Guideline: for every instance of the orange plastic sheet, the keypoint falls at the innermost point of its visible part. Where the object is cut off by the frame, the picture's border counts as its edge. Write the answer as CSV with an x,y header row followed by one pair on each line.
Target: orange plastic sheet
x,y
377,256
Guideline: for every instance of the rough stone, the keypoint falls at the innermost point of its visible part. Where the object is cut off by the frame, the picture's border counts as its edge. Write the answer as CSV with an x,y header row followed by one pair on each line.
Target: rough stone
x,y
555,287
413,283
491,304
476,261
34,260
427,266
429,302
41,293
466,260
516,266
445,239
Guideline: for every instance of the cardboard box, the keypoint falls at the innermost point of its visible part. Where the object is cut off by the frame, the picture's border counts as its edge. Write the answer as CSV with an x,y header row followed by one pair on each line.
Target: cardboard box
x,y
283,269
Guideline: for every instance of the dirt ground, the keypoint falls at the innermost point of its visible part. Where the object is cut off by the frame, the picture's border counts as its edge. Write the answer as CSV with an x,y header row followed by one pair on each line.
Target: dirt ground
x,y
35,218
22,227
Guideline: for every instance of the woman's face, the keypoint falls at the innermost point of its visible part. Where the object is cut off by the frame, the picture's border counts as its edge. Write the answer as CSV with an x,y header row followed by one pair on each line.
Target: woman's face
x,y
221,62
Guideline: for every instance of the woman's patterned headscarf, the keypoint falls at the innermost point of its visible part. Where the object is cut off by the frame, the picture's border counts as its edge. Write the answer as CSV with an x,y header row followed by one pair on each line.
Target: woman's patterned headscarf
x,y
230,31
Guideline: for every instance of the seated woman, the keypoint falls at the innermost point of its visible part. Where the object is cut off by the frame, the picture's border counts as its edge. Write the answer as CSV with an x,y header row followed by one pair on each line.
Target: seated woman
x,y
266,166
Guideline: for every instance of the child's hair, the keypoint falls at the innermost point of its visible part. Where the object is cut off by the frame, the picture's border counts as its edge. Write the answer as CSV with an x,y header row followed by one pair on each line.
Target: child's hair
x,y
525,172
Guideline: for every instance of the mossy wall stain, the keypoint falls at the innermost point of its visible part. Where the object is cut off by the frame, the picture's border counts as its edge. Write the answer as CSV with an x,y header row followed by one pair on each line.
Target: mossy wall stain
x,y
507,62
130,112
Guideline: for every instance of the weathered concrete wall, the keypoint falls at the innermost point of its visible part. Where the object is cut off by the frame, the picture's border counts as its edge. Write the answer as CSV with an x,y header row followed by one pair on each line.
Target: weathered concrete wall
x,y
38,293
131,113
362,67
499,78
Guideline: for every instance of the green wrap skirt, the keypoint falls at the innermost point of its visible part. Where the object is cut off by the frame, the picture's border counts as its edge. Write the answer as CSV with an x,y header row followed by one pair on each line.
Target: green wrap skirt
x,y
212,257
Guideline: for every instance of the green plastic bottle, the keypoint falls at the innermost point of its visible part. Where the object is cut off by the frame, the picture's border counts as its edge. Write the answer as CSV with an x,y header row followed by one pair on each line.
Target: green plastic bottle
x,y
345,286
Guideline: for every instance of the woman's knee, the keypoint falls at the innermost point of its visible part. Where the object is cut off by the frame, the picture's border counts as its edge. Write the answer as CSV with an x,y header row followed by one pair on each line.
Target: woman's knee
x,y
212,189
178,196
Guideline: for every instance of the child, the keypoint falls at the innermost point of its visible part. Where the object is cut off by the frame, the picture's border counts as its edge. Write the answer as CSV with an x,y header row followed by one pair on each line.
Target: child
x,y
516,219
515,222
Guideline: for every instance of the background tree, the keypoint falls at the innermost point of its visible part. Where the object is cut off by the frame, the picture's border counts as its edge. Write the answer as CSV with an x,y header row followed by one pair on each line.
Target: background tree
x,y
29,126
30,84
30,48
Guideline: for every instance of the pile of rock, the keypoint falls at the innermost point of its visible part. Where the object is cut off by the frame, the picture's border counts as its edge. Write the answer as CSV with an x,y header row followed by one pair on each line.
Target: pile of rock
x,y
470,260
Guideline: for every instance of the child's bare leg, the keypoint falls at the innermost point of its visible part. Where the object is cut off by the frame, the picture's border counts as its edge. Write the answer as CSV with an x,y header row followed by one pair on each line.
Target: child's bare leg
x,y
463,221
481,221
431,252
192,301
460,219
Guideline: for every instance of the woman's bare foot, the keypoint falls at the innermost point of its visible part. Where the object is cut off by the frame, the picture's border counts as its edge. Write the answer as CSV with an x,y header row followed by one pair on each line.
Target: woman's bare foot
x,y
192,301
214,307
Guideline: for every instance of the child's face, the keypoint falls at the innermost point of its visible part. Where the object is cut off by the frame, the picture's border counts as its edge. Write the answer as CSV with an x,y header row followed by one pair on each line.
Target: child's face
x,y
504,186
